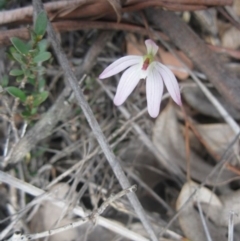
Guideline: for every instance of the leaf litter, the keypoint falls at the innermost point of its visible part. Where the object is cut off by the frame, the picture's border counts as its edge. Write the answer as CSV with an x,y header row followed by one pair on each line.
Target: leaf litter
x,y
193,141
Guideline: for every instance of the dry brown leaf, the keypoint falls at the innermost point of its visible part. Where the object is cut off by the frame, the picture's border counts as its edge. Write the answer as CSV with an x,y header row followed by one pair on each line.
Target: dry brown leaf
x,y
189,218
220,215
168,138
218,137
231,38
168,59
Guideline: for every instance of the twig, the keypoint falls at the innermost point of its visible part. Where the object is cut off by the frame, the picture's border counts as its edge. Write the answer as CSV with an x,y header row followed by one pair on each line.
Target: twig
x,y
71,25
231,226
72,80
90,217
34,191
206,230
96,151
56,8
6,146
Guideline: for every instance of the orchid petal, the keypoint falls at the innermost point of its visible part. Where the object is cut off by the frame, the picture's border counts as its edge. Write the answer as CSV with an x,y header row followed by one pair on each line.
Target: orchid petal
x,y
119,65
154,89
152,48
127,83
170,82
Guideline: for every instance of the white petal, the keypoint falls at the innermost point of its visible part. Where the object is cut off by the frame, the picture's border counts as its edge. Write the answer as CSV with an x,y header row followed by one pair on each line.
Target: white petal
x,y
119,65
154,92
127,83
152,48
170,82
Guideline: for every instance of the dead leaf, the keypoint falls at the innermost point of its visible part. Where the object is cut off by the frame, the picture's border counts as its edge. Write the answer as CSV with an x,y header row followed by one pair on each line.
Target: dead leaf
x,y
220,215
169,59
231,38
218,137
190,220
168,138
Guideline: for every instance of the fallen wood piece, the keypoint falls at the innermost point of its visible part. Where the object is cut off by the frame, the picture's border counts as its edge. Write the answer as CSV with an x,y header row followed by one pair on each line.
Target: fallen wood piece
x,y
99,8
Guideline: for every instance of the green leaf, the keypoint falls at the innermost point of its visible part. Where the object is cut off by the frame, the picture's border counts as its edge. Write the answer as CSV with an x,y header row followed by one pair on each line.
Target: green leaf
x,y
33,111
18,57
19,79
40,25
31,81
40,69
20,46
29,112
29,74
39,98
42,45
26,113
4,81
2,3
42,57
41,84
14,91
10,52
33,36
16,72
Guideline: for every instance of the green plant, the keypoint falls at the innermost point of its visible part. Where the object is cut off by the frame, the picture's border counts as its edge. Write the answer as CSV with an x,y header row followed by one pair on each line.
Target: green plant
x,y
30,56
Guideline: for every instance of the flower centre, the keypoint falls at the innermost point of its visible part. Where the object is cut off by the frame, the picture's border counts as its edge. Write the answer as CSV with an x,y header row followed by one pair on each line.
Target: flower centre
x,y
148,59
146,64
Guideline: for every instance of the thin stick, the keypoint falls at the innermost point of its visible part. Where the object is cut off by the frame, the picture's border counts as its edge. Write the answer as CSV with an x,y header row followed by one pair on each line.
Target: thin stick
x,y
72,80
231,226
113,198
6,146
78,223
34,191
187,147
203,221
97,150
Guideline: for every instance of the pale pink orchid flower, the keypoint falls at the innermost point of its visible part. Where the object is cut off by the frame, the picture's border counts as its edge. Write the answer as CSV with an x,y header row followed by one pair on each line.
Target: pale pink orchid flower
x,y
144,67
